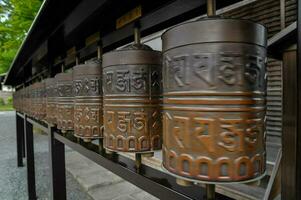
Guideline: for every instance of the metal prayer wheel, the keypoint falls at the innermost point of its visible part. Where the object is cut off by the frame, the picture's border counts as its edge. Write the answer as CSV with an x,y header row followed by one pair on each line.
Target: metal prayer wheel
x,y
17,100
40,100
88,115
51,94
65,101
132,87
214,100
28,100
33,110
25,99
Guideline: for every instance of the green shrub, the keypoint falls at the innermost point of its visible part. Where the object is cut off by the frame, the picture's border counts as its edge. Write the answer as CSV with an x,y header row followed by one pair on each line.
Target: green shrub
x,y
2,102
10,100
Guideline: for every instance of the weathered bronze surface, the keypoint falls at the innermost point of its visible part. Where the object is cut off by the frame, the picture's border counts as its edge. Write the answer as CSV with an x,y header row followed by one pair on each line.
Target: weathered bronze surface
x,y
34,100
88,115
51,104
214,100
40,100
65,101
29,102
25,99
132,88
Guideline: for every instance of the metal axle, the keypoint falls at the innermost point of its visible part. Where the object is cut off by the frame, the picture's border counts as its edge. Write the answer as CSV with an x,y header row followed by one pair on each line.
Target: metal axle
x,y
211,8
210,191
137,35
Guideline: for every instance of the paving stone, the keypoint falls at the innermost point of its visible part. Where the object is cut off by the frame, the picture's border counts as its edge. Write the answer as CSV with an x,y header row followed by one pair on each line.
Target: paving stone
x,y
98,178
143,195
113,191
89,174
76,161
125,197
13,185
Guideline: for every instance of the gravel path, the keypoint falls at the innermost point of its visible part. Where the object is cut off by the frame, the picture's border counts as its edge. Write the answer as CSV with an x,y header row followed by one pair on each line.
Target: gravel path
x,y
13,184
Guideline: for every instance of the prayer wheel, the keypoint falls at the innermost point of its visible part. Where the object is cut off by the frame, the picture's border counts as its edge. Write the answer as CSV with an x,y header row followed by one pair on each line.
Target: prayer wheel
x,y
25,96
214,100
40,100
18,105
88,115
132,88
28,100
65,101
51,94
33,97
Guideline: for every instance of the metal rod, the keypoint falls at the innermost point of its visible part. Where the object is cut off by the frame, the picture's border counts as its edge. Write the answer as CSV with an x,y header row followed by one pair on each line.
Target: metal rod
x,y
211,8
76,60
138,161
63,133
210,191
100,146
137,35
62,68
99,52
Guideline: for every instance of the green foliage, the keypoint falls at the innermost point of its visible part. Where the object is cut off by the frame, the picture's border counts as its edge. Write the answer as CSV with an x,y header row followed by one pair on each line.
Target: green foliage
x,y
10,100
16,17
2,103
6,108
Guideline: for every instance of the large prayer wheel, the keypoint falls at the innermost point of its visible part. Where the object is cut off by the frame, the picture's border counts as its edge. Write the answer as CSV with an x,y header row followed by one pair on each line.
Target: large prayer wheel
x,y
65,101
214,100
88,115
51,94
132,86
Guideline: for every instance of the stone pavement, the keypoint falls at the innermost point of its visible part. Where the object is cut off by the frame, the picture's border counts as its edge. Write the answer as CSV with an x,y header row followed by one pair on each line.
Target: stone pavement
x,y
85,179
100,183
13,185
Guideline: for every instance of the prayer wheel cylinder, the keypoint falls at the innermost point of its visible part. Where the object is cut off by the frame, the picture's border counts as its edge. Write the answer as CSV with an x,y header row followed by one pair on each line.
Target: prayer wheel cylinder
x,y
132,88
17,100
40,100
25,99
88,115
51,94
214,100
22,100
33,110
28,100
65,101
